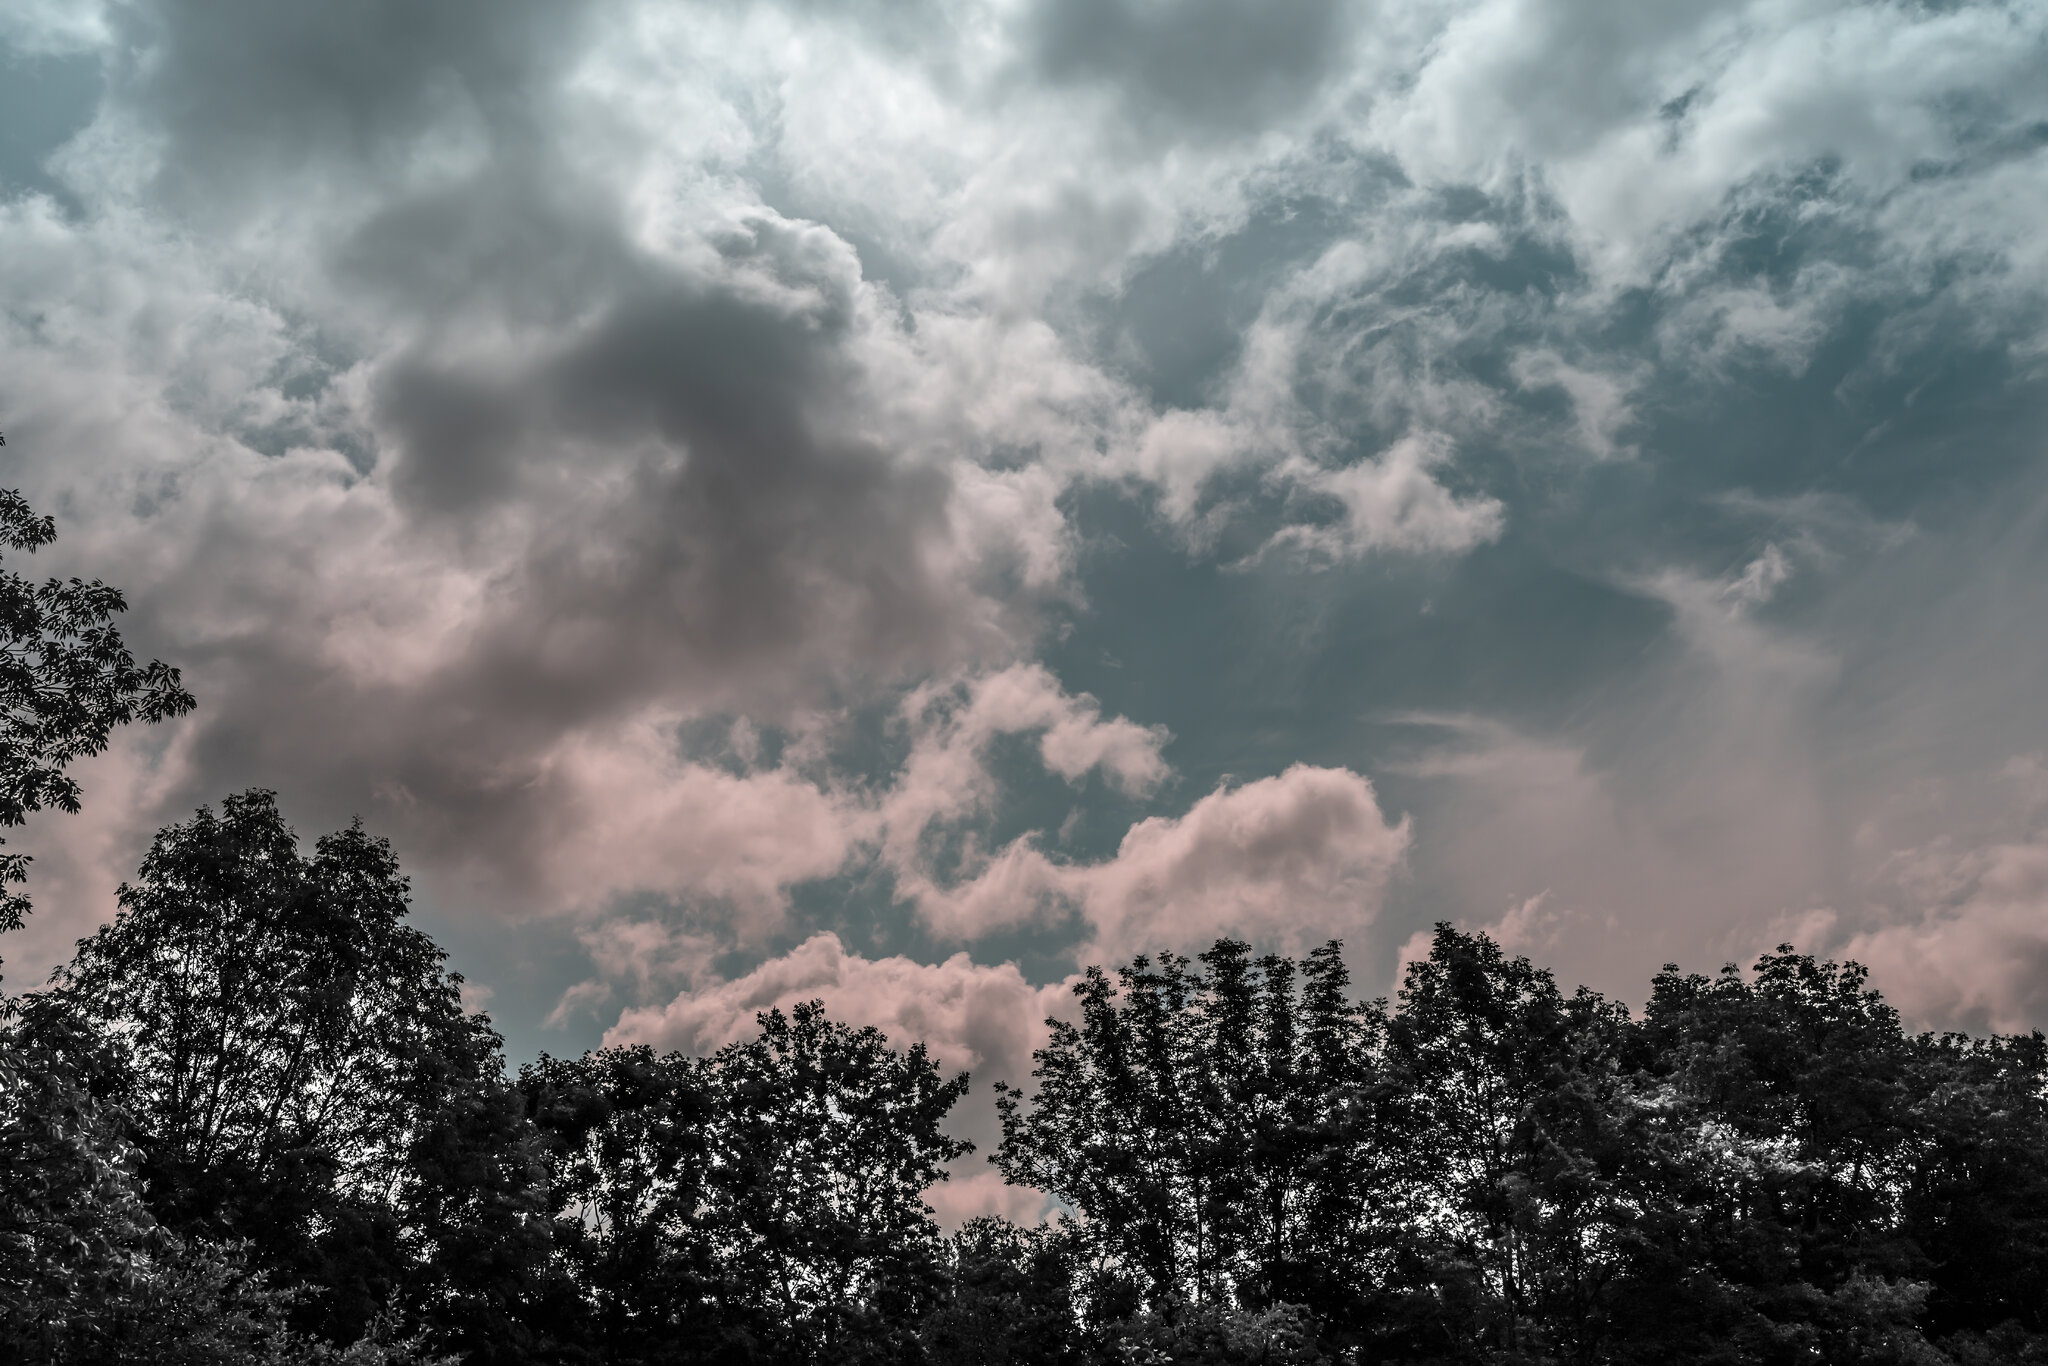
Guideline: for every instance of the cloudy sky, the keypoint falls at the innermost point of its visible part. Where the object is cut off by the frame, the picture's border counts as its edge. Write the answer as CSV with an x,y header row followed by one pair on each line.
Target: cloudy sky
x,y
896,500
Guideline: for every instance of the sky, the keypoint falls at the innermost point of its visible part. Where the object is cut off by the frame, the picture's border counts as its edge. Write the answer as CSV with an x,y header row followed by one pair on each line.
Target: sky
x,y
895,502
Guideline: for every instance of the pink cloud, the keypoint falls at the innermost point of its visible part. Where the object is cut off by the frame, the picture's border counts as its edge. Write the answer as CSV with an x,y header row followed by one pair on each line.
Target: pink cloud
x,y
1978,959
1287,859
975,1189
953,722
984,1019
636,820
1290,858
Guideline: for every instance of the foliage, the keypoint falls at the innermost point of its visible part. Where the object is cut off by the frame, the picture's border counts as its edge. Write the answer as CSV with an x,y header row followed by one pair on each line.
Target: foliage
x,y
291,1058
825,1140
1762,1168
66,680
87,1274
1009,1298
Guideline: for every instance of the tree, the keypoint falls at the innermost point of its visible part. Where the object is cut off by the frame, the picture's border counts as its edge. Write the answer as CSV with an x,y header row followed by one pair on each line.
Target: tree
x,y
1846,1188
629,1143
1221,1129
87,1274
286,1043
66,680
1514,1198
1008,1299
823,1142
762,1204
1976,1199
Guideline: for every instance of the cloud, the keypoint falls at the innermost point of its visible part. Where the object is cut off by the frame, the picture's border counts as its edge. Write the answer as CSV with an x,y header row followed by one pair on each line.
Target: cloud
x,y
1976,958
945,779
1763,576
1288,860
1220,66
1391,503
742,840
1599,401
974,1017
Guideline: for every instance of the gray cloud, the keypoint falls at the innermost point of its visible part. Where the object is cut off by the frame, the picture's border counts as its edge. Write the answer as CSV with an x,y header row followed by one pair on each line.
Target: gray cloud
x,y
252,98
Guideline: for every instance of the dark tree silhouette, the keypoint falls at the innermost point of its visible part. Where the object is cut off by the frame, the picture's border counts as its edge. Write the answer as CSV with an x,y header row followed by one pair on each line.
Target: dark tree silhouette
x,y
87,1272
1763,1168
629,1142
825,1140
294,1061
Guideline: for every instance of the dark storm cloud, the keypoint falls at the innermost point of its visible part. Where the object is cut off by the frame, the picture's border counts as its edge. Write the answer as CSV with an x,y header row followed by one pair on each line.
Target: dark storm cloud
x,y
252,96
653,476
741,529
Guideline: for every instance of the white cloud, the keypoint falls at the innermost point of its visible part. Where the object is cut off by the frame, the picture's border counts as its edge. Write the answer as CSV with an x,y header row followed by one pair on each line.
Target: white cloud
x,y
1391,503
1289,860
974,1017
1975,955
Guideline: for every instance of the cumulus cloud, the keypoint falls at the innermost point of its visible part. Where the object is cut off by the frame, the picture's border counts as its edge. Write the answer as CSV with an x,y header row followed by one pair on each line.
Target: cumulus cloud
x,y
1954,928
974,1017
946,780
1287,860
1956,938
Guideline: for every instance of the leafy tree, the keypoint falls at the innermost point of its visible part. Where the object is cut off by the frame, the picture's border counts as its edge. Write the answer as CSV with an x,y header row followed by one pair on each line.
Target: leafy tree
x,y
629,1143
1849,1188
1217,1126
1763,1169
824,1141
1008,1299
766,1203
1975,1201
1212,1335
66,680
472,1209
1110,1132
87,1274
1515,1193
287,1045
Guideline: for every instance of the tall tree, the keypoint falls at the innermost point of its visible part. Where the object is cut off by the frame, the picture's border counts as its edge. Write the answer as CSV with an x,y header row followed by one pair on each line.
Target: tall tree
x,y
288,1044
1501,1070
1223,1130
824,1140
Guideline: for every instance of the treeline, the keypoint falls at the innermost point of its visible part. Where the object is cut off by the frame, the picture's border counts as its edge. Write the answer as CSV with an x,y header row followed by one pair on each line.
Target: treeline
x,y
251,1121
